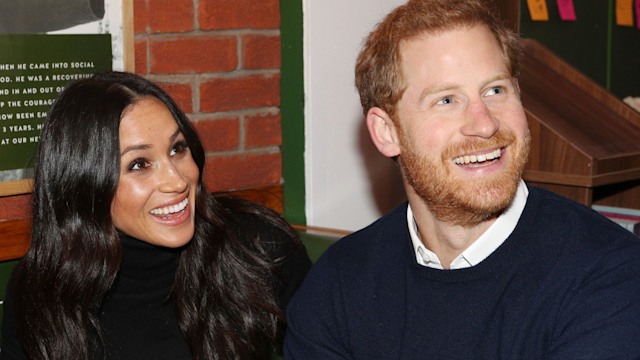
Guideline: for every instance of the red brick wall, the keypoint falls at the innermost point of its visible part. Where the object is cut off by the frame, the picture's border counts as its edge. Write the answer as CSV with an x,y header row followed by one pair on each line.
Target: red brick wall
x,y
220,60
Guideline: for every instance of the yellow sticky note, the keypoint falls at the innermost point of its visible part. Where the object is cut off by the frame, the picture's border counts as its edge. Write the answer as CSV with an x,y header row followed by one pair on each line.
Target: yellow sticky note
x,y
624,12
538,10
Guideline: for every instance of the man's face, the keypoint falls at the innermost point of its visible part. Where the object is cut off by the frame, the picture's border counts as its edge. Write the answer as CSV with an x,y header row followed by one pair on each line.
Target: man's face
x,y
462,130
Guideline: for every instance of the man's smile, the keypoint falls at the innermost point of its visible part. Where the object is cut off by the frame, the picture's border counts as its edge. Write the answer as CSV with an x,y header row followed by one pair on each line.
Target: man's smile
x,y
489,156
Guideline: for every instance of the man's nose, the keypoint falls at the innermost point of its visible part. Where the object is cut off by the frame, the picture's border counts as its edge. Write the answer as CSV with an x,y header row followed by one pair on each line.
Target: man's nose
x,y
480,121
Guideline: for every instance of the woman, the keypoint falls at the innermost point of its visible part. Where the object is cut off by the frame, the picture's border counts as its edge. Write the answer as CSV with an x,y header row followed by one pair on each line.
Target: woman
x,y
131,258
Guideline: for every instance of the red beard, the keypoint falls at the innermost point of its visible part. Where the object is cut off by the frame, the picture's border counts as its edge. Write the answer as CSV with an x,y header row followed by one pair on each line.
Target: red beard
x,y
460,201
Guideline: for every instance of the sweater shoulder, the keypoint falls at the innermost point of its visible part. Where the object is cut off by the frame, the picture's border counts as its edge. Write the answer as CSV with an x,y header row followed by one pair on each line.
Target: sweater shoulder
x,y
250,221
554,224
566,217
382,242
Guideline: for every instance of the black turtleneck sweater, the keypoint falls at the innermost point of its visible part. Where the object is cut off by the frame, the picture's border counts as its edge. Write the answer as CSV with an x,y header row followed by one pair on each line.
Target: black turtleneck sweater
x,y
138,317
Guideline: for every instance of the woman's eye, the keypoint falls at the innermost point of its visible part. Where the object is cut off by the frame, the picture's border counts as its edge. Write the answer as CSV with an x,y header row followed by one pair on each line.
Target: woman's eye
x,y
137,165
178,148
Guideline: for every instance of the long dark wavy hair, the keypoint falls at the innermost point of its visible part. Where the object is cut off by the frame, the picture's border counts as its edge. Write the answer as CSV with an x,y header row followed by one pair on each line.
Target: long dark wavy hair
x,y
223,288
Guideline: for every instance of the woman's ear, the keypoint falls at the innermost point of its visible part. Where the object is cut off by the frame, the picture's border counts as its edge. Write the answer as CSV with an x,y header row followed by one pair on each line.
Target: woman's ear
x,y
383,132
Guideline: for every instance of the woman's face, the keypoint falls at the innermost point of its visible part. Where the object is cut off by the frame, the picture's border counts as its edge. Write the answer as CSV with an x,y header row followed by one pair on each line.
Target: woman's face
x,y
155,198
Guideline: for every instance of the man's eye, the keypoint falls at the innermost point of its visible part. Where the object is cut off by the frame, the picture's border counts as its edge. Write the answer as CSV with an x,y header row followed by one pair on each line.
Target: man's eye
x,y
445,101
495,91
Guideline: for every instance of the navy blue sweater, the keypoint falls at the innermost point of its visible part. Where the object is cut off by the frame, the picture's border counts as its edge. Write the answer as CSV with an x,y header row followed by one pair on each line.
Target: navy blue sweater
x,y
564,285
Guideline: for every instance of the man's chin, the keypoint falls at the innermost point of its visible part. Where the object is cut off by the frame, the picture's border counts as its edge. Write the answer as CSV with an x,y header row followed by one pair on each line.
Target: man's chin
x,y
470,206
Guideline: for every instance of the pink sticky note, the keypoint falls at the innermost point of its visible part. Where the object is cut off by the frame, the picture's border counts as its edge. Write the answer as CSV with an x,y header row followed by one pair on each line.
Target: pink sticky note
x,y
567,11
638,14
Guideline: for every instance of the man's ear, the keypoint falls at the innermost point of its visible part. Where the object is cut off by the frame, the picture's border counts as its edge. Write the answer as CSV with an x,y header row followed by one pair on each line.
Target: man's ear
x,y
383,132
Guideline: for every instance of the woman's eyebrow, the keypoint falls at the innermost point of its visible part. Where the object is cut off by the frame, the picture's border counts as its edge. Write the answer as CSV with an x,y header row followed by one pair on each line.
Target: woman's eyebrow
x,y
175,134
134,148
139,147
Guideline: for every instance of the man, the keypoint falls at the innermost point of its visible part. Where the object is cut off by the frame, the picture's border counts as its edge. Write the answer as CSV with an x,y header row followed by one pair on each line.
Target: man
x,y
476,265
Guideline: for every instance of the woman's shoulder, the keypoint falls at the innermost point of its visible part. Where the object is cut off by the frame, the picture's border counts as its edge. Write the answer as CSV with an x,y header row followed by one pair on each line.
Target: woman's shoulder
x,y
261,227
254,222
248,215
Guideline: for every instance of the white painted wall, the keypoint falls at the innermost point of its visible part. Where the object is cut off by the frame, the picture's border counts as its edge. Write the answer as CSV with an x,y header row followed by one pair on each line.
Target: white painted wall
x,y
348,183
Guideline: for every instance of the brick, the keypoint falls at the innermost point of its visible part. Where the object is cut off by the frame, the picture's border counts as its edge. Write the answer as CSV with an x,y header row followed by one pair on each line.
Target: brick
x,y
140,17
171,16
181,94
241,171
261,52
239,14
252,91
219,134
193,54
140,55
262,131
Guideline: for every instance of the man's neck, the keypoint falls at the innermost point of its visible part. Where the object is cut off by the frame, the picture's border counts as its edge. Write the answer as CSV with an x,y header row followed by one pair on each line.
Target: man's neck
x,y
446,240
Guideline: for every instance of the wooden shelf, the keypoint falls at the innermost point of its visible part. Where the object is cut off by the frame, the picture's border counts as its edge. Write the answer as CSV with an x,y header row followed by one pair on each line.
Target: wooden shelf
x,y
585,141
14,238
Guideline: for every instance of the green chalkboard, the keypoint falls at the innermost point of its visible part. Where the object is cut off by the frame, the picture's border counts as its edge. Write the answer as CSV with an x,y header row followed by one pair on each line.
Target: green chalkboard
x,y
33,70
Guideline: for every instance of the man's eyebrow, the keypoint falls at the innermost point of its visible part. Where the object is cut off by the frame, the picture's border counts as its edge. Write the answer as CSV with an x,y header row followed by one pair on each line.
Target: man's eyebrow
x,y
450,86
501,76
436,89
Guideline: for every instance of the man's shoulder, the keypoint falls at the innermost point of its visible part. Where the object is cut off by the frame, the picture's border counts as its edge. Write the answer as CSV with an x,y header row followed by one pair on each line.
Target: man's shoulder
x,y
362,254
387,232
573,224
560,210
368,263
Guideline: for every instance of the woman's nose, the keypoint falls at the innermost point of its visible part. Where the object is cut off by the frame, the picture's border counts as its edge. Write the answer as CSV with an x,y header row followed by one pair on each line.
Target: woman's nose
x,y
172,179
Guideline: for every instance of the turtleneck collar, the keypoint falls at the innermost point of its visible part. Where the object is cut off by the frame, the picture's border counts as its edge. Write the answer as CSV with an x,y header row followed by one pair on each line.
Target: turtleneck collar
x,y
146,267
138,315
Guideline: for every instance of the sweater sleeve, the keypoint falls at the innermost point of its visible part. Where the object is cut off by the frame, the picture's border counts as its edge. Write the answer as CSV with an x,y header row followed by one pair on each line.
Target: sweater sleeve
x,y
601,316
316,325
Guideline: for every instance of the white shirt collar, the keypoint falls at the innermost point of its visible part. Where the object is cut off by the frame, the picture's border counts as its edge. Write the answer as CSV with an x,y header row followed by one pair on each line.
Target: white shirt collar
x,y
480,249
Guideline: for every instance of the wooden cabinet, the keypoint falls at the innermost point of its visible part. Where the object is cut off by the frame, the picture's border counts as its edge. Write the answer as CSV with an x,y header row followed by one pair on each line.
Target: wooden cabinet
x,y
585,141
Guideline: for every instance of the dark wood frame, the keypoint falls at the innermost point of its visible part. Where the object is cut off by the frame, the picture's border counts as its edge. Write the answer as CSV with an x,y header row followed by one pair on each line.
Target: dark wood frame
x,y
15,235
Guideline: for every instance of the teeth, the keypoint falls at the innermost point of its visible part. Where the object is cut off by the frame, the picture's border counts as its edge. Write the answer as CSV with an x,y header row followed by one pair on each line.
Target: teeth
x,y
171,209
467,159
